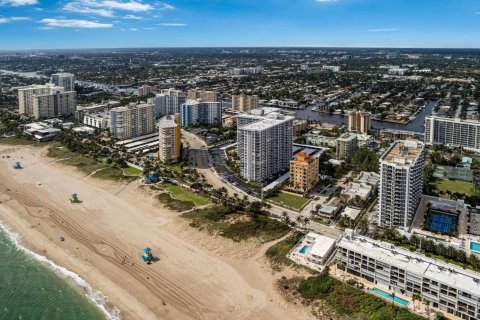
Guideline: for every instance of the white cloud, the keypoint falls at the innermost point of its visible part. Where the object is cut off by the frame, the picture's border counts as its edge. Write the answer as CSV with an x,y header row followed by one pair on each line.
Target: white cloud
x,y
127,6
132,17
382,30
166,6
81,8
74,23
18,3
173,24
12,19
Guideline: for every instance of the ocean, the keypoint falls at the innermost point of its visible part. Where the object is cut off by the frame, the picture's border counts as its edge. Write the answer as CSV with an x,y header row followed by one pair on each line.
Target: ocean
x,y
34,288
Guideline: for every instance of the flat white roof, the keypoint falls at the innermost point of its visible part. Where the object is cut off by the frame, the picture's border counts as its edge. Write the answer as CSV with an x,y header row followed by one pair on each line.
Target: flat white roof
x,y
440,271
321,245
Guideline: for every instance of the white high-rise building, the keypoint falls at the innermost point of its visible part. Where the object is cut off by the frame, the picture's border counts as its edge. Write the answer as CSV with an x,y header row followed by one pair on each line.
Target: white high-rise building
x,y
196,112
264,143
168,102
65,80
452,132
46,101
401,183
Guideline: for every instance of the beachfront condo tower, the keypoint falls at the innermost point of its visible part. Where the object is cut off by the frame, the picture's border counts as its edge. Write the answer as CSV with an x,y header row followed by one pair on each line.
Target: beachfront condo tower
x,y
401,183
169,138
264,143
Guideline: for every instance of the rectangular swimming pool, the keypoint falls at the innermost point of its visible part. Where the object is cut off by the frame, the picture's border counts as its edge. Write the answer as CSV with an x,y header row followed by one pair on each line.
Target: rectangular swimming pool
x,y
304,249
388,296
475,246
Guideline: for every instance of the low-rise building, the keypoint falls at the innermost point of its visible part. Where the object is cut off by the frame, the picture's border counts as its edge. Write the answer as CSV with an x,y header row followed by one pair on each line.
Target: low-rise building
x,y
313,251
448,287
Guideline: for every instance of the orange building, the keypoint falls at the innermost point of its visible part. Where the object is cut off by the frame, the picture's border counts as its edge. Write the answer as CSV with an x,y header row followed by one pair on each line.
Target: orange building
x,y
304,172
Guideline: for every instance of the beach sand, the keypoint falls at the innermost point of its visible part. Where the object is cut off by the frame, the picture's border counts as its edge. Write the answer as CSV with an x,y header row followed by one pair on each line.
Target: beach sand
x,y
197,276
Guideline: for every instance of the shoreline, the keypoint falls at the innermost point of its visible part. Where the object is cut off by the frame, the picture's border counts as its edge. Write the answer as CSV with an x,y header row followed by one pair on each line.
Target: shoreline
x,y
94,295
198,276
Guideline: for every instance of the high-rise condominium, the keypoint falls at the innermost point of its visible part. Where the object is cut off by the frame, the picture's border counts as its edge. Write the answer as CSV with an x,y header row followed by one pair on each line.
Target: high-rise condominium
x,y
65,80
169,138
264,143
168,102
131,121
46,101
244,103
193,113
359,121
452,132
401,183
202,95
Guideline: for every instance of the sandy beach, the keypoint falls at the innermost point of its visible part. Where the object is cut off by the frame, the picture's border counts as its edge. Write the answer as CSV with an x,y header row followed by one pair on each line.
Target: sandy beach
x,y
197,277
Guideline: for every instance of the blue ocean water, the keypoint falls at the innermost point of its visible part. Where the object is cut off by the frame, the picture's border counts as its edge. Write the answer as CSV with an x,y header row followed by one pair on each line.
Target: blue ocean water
x,y
34,289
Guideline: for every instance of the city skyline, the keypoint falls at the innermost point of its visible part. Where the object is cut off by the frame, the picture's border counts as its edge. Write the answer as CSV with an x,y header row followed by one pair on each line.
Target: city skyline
x,y
41,24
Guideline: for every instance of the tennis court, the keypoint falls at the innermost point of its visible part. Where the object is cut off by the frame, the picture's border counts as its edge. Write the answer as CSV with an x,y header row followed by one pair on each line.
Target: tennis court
x,y
441,222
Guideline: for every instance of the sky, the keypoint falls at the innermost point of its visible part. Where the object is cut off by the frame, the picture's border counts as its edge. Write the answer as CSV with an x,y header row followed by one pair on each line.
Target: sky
x,y
65,24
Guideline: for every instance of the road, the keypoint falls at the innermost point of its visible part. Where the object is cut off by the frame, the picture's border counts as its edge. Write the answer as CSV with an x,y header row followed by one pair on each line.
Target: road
x,y
199,158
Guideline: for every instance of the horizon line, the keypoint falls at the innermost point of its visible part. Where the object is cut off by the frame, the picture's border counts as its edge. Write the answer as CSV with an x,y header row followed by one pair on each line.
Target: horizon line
x,y
250,47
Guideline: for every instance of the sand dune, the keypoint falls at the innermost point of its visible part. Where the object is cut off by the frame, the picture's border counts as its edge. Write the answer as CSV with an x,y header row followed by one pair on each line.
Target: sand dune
x,y
104,236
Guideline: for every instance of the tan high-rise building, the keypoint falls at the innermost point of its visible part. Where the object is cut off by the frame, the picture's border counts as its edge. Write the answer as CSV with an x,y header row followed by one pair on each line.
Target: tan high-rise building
x,y
169,138
132,121
202,95
359,121
244,103
304,172
46,101
144,90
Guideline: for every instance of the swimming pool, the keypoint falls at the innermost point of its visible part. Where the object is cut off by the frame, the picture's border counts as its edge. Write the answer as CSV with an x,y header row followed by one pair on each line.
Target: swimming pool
x,y
387,295
304,249
475,246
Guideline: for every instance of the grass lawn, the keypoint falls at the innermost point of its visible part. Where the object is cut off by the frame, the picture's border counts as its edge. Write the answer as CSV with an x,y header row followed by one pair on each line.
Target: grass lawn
x,y
455,186
290,200
174,204
110,173
131,171
182,194
18,141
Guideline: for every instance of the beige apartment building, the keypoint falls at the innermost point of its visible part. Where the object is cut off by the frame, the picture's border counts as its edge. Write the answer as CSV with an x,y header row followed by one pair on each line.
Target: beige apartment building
x,y
244,103
202,95
304,172
46,101
169,138
144,90
132,121
359,121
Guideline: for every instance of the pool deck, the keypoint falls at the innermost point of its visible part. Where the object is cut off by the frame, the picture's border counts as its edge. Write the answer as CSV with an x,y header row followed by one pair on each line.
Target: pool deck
x,y
418,308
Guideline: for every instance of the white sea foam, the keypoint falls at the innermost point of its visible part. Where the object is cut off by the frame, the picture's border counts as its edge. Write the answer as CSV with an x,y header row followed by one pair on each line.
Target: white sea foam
x,y
112,313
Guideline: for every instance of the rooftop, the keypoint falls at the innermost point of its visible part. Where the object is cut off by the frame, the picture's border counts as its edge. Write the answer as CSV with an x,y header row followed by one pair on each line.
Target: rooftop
x,y
403,152
347,137
413,262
